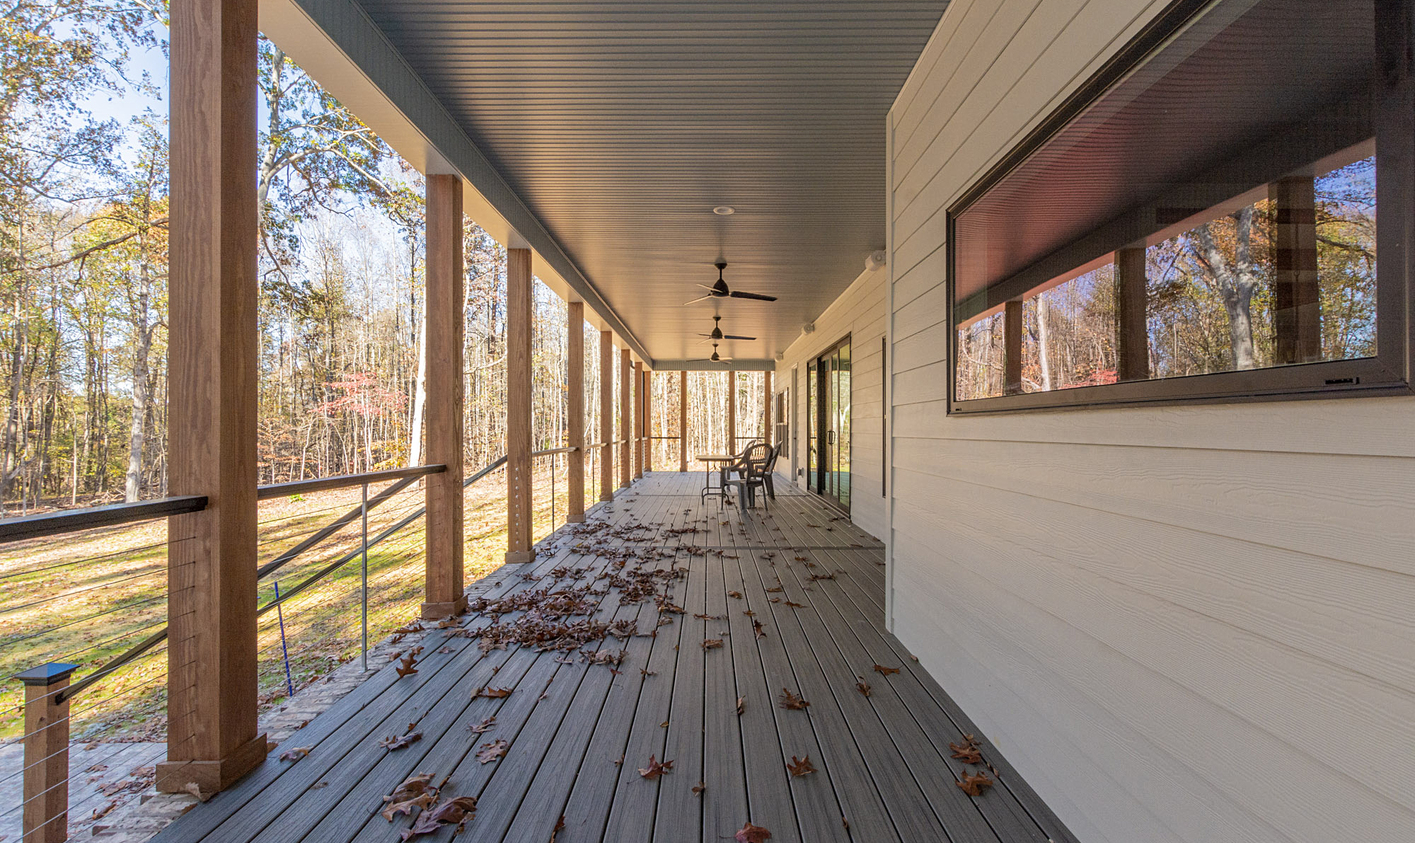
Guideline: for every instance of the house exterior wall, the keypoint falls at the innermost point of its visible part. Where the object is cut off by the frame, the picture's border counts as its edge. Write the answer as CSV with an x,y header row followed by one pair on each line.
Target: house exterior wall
x,y
1185,623
860,313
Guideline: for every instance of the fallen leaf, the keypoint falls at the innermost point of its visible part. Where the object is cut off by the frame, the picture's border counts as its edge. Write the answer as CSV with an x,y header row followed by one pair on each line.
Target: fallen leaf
x,y
399,741
456,811
885,671
775,590
559,827
295,754
100,813
712,643
974,785
415,792
803,767
492,693
195,790
752,834
490,752
482,727
735,594
406,668
741,705
656,768
793,604
699,788
862,686
757,628
791,701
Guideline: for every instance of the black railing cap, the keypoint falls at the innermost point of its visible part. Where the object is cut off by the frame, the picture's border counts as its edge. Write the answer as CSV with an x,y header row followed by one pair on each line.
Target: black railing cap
x,y
47,674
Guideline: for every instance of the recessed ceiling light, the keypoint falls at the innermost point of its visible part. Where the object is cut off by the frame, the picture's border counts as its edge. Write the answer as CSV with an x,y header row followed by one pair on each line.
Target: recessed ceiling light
x,y
724,210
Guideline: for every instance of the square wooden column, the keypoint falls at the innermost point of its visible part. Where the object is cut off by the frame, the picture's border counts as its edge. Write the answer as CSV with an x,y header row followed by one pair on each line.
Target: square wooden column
x,y
766,396
1012,348
518,405
731,412
606,415
683,420
648,420
575,410
1132,330
638,420
443,588
1297,303
212,736
626,417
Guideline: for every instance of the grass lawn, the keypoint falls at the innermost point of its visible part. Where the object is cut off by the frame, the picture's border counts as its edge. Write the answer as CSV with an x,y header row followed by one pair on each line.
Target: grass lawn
x,y
90,596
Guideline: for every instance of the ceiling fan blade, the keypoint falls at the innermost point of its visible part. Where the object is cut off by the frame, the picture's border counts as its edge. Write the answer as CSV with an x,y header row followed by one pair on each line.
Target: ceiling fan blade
x,y
738,294
734,337
696,300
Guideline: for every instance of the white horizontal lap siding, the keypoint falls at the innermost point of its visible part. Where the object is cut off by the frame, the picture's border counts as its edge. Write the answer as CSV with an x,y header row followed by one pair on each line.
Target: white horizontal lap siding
x,y
860,313
1181,624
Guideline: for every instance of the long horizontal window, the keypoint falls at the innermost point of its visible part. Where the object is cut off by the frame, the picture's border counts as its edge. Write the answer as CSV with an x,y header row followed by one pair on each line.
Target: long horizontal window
x,y
1201,222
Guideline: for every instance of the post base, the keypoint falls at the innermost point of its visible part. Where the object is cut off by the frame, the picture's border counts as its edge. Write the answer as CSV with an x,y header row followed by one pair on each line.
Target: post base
x,y
516,557
577,518
211,776
434,611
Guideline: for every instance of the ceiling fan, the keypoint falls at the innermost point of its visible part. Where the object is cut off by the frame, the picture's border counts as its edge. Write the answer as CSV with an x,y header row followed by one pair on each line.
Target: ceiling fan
x,y
717,332
720,290
715,358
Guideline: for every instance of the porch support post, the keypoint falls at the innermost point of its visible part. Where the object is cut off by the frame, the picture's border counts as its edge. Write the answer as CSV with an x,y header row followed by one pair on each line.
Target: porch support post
x,y
46,753
626,418
731,412
638,420
1297,304
443,593
766,399
1132,340
212,734
648,420
606,415
518,405
1012,348
575,410
683,421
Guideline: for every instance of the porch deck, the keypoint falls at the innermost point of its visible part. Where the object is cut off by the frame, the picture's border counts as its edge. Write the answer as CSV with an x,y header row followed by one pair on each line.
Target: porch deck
x,y
578,732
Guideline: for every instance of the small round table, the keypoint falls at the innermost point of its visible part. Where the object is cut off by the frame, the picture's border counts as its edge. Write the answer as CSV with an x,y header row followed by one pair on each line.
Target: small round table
x,y
714,466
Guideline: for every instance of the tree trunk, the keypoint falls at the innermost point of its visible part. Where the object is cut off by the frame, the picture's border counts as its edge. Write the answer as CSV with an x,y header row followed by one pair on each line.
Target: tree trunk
x,y
1044,341
415,433
142,348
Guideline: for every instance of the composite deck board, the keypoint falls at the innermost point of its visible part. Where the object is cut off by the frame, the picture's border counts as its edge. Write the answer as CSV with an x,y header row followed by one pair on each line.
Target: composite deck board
x,y
578,733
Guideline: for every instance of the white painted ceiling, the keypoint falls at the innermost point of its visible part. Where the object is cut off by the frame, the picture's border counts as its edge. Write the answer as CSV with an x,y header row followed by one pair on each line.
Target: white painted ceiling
x,y
621,125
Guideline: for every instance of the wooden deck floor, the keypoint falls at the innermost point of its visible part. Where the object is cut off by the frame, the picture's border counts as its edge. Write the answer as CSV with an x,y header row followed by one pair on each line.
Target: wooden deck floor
x,y
578,732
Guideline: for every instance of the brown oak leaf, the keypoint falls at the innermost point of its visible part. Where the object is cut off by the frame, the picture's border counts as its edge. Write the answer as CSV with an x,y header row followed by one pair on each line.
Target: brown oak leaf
x,y
699,788
559,827
483,727
885,671
793,604
735,594
490,752
454,811
393,742
415,792
655,768
974,785
803,767
492,693
862,686
741,705
752,834
712,643
406,668
791,701
295,754
757,628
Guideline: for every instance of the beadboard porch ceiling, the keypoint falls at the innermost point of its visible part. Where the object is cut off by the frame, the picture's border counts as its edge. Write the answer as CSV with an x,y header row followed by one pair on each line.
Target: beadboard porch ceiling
x,y
621,125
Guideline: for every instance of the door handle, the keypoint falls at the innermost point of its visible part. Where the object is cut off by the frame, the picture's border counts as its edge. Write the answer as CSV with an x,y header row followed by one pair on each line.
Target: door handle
x,y
830,437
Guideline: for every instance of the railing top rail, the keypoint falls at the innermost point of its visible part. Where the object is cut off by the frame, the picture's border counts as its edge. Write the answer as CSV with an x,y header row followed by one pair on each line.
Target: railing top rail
x,y
569,450
295,487
74,520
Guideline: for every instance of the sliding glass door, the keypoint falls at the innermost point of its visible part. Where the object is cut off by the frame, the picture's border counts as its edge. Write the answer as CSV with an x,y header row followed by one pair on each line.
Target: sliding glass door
x,y
828,424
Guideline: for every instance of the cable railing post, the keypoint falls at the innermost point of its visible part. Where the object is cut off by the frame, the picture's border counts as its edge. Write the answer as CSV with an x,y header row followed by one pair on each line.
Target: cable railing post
x,y
363,575
46,755
552,493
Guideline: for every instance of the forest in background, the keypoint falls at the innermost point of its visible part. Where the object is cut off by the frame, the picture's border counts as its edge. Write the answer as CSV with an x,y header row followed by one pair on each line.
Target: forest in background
x,y
83,274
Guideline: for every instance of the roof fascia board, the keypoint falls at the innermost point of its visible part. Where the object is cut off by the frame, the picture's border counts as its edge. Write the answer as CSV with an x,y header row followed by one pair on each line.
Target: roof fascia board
x,y
341,48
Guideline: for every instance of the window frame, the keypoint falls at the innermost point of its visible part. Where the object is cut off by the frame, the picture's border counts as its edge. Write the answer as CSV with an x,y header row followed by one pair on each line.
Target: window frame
x,y
1388,373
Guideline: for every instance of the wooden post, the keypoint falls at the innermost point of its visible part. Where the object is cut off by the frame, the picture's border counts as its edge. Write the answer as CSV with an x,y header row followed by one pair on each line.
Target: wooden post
x,y
212,733
1012,348
46,754
1297,304
766,395
575,410
638,420
731,412
606,415
683,421
626,417
518,405
648,421
1132,330
443,590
